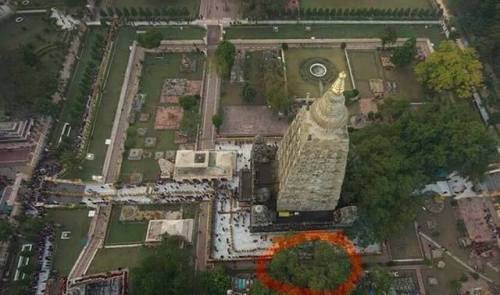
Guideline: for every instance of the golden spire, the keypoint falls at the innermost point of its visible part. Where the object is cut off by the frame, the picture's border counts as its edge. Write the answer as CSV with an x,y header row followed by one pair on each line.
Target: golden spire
x,y
339,84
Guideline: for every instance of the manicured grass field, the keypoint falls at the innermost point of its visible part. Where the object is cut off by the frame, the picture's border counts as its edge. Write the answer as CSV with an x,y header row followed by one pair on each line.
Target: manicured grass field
x,y
124,232
365,4
366,65
192,5
180,32
156,70
108,259
107,107
294,57
73,91
66,251
336,31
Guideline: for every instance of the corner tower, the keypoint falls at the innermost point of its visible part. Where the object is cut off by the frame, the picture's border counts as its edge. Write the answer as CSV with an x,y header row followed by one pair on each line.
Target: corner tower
x,y
312,155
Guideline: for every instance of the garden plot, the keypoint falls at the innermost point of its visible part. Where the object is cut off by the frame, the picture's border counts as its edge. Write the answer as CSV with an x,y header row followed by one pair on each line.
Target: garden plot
x,y
298,66
396,82
159,124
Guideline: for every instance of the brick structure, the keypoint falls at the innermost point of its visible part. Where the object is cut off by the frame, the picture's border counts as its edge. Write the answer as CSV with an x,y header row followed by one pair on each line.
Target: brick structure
x,y
313,153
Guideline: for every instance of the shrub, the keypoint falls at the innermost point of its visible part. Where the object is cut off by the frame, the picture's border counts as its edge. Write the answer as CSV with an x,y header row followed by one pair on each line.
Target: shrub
x,y
348,94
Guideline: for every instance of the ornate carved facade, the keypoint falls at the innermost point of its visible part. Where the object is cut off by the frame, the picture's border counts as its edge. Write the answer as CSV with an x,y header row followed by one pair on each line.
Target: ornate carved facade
x,y
312,155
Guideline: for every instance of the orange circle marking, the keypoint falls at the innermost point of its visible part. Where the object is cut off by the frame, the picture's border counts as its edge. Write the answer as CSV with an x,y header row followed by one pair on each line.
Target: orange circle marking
x,y
335,238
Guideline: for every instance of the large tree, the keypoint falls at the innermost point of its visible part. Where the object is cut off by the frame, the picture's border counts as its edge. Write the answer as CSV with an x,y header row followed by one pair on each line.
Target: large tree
x,y
316,265
404,55
224,58
451,68
170,271
5,230
392,159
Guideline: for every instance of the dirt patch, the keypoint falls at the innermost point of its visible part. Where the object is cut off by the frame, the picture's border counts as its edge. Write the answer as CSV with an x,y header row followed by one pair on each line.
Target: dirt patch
x,y
168,117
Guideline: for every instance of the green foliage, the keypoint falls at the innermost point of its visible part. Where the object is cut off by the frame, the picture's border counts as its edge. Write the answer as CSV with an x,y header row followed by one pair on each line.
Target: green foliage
x,y
404,55
318,265
151,38
189,124
348,94
248,92
389,36
170,271
217,120
259,289
273,83
189,102
214,282
258,9
451,68
482,20
391,159
5,230
75,3
224,58
24,90
381,279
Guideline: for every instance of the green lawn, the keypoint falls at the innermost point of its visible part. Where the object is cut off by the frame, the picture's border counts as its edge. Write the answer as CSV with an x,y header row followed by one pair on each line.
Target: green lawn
x,y
366,65
365,4
107,107
192,5
66,251
294,57
108,259
156,70
180,32
73,91
124,232
433,32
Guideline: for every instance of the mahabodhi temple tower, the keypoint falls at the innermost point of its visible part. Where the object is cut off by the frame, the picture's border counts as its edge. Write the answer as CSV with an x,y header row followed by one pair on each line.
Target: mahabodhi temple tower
x,y
312,155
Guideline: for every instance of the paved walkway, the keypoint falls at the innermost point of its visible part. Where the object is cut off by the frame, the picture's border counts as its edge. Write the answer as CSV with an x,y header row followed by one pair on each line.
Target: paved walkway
x,y
97,234
130,87
203,236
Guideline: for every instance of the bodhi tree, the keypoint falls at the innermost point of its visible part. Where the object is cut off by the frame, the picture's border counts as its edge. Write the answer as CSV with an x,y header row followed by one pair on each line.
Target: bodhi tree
x,y
451,68
316,265
224,58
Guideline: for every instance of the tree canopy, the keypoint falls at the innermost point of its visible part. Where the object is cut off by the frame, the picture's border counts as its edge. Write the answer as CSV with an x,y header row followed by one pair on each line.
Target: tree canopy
x,y
170,271
316,265
404,55
392,158
24,90
262,8
5,230
481,19
389,36
451,68
224,58
151,38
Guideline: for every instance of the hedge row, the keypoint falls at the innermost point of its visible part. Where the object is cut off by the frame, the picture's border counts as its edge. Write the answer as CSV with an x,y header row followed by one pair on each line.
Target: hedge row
x,y
140,12
360,13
